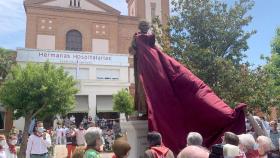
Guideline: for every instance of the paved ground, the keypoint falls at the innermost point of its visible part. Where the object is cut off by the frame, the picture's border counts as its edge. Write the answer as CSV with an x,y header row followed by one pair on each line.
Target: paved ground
x,y
61,152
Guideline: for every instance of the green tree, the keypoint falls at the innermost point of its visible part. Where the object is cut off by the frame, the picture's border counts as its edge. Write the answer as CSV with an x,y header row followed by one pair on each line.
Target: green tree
x,y
208,37
7,59
261,86
208,25
272,68
37,90
123,102
276,43
260,90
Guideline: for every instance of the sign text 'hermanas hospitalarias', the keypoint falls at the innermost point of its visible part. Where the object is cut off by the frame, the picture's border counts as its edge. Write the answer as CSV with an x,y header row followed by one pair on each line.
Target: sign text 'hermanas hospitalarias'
x,y
33,55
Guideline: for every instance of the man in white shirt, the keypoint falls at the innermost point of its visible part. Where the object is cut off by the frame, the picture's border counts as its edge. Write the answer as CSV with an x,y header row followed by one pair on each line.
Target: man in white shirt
x,y
38,143
64,132
59,133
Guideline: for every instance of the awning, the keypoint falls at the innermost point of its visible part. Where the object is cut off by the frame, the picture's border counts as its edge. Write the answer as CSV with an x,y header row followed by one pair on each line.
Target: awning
x,y
81,104
104,103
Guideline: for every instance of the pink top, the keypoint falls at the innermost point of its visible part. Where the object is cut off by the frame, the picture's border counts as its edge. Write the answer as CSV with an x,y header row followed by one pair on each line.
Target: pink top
x,y
80,136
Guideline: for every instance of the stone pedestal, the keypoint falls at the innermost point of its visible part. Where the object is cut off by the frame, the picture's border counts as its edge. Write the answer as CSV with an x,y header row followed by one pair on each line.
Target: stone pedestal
x,y
137,137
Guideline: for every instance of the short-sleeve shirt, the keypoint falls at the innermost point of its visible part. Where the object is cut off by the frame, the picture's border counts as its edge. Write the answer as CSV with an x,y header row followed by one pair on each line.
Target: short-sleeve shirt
x,y
274,136
90,153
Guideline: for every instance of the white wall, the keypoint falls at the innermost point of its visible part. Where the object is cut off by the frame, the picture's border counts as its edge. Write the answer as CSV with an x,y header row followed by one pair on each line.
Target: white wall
x,y
89,6
19,124
45,42
59,3
82,74
91,73
84,4
100,45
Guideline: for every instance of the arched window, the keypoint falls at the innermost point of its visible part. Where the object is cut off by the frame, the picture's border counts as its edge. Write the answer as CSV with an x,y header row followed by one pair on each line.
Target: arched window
x,y
74,40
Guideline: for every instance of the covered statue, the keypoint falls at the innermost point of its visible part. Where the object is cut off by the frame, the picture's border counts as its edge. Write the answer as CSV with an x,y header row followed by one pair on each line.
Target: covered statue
x,y
178,102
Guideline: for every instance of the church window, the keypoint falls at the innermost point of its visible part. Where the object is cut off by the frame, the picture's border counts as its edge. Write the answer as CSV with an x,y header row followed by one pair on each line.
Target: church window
x,y
107,74
74,40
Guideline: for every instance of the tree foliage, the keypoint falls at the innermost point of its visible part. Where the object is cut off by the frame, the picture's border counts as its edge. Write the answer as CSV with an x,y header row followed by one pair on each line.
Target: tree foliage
x,y
272,69
37,90
276,43
7,59
260,90
209,38
123,102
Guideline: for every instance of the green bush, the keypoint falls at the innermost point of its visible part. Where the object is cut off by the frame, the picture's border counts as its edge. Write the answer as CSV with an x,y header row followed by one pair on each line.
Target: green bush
x,y
123,102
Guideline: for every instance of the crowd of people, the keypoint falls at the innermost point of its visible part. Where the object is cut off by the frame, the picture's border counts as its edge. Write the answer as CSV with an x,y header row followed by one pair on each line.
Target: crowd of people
x,y
41,141
110,129
74,137
261,140
8,146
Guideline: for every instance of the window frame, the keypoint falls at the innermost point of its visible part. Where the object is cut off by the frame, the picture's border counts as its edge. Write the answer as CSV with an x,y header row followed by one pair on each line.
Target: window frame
x,y
74,40
110,77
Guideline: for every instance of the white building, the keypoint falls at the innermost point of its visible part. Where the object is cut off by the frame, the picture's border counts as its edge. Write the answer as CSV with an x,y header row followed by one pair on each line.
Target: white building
x,y
90,39
99,76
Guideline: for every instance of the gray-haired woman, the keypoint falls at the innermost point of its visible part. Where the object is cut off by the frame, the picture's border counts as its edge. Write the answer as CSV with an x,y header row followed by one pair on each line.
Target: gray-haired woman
x,y
93,137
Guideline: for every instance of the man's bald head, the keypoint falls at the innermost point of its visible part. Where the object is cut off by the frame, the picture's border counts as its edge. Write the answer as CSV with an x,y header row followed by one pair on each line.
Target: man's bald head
x,y
194,152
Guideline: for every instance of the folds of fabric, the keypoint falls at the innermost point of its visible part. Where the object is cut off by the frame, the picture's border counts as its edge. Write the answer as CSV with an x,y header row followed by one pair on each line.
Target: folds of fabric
x,y
178,102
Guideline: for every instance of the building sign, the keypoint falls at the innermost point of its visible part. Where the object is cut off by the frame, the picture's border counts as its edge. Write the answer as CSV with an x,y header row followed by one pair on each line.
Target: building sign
x,y
70,57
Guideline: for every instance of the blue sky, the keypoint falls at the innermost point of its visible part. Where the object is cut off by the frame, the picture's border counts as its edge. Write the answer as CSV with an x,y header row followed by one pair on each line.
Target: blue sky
x,y
266,19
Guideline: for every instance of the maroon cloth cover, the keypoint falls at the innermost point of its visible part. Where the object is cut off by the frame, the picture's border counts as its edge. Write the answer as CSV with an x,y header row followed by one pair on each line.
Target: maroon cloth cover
x,y
178,102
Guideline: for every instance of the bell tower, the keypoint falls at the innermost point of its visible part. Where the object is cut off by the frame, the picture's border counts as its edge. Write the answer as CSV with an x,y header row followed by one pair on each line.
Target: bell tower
x,y
148,9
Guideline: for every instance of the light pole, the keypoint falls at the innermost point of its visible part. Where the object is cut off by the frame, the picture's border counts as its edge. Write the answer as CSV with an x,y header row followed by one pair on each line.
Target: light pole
x,y
77,69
